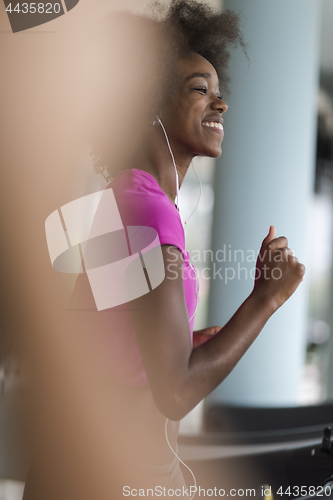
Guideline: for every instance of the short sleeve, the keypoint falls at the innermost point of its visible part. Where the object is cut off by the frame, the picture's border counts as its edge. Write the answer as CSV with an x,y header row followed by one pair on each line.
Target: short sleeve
x,y
141,202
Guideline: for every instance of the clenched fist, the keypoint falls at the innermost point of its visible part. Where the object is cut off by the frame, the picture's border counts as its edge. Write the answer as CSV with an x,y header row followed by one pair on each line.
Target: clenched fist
x,y
278,272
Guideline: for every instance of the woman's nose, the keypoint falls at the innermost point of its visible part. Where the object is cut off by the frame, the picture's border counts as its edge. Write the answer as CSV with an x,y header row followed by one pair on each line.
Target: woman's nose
x,y
219,105
224,106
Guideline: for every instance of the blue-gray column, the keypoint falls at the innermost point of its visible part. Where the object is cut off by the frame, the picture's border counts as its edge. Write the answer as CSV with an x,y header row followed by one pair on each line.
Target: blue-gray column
x,y
265,176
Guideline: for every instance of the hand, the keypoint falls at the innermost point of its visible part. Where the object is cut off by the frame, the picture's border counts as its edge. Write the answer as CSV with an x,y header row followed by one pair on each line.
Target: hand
x,y
278,272
201,336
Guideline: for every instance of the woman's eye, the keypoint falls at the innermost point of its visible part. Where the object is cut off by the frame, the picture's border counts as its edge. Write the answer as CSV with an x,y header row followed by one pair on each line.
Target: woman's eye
x,y
202,89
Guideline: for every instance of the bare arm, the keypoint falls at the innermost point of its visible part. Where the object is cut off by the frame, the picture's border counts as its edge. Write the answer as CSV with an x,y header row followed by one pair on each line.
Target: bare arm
x,y
179,376
201,336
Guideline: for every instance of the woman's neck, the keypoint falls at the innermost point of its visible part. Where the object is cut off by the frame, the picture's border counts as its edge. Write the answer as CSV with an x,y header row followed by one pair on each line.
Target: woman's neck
x,y
155,158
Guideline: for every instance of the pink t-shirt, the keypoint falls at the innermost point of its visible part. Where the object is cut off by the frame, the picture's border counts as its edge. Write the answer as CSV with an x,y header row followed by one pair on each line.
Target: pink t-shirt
x,y
141,202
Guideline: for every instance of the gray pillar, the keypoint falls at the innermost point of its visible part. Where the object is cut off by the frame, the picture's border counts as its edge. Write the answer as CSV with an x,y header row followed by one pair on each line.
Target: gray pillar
x,y
265,176
327,69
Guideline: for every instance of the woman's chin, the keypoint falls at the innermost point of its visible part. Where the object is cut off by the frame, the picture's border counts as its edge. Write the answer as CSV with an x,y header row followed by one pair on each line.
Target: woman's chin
x,y
210,151
214,153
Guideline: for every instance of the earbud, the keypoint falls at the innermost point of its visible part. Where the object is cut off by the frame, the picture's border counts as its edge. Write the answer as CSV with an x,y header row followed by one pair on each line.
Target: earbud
x,y
157,122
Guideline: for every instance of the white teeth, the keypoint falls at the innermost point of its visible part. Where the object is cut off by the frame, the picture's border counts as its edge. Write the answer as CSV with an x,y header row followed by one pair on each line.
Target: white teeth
x,y
214,125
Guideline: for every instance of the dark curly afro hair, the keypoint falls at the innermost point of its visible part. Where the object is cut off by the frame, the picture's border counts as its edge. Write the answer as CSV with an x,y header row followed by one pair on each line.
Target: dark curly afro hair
x,y
195,27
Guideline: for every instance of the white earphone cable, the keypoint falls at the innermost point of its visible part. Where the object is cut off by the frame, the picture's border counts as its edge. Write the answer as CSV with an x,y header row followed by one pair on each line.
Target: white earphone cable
x,y
197,283
199,194
173,161
197,289
180,460
197,286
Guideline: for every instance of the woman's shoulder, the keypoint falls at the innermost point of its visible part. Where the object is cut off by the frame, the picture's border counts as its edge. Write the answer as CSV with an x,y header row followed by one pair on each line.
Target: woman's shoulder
x,y
141,202
139,189
136,179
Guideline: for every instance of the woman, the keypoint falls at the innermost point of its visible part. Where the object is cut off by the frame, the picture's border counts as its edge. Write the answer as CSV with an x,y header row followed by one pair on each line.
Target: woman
x,y
169,372
160,368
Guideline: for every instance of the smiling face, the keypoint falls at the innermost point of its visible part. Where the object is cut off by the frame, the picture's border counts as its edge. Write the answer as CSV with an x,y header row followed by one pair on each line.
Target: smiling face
x,y
194,117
